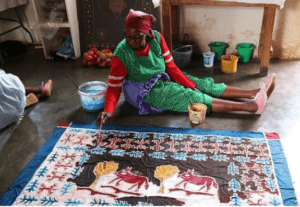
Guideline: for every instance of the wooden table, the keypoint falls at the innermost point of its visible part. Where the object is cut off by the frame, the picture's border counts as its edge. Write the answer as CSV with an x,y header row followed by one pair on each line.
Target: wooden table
x,y
170,14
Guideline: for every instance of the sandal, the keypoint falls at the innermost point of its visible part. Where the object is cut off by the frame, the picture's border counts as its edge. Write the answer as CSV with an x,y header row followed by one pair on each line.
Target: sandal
x,y
261,100
270,84
47,88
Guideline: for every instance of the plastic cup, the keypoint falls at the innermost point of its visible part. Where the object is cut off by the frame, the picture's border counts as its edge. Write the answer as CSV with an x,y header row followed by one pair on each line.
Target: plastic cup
x,y
197,112
208,59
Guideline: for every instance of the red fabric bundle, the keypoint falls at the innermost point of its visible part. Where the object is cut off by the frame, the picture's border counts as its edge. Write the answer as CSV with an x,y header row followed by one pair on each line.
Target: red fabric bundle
x,y
139,20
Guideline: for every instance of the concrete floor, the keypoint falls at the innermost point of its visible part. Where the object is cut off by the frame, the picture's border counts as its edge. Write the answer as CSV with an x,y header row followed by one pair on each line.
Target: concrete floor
x,y
282,113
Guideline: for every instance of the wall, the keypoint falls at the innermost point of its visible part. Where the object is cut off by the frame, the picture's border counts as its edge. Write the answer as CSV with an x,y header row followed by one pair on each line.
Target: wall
x,y
207,24
286,38
234,25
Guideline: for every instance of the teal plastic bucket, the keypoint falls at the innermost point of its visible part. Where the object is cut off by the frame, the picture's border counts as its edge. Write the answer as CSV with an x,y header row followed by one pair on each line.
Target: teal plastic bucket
x,y
92,95
245,51
218,48
208,59
182,56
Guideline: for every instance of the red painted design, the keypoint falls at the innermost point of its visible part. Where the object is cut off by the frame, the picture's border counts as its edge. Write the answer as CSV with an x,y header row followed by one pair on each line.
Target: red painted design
x,y
126,176
68,138
64,124
255,168
204,181
99,141
65,166
157,146
93,192
228,150
216,148
201,147
187,147
113,143
141,144
246,150
172,145
261,153
67,156
189,192
255,179
50,189
272,135
248,192
127,144
55,176
251,203
81,138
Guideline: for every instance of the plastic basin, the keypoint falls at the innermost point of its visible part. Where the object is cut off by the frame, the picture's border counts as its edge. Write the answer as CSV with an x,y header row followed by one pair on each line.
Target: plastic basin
x,y
92,95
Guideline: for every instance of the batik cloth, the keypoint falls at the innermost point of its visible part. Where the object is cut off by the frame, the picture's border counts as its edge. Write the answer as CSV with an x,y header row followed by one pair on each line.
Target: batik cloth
x,y
154,166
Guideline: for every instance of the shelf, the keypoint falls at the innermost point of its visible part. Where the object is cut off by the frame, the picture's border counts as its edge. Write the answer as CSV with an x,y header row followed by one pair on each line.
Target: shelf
x,y
71,24
64,24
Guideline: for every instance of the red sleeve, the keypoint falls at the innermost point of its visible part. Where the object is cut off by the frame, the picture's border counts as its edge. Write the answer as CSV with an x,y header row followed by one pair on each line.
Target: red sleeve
x,y
171,67
114,86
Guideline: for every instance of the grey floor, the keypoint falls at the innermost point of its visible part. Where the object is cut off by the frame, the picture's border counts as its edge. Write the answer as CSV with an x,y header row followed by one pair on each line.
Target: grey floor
x,y
282,113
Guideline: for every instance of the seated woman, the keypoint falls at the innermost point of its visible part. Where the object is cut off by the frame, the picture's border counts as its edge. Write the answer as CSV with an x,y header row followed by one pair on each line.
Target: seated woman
x,y
144,67
14,97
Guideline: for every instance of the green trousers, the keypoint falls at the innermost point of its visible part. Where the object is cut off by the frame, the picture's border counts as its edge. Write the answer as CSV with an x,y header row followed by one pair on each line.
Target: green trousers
x,y
170,96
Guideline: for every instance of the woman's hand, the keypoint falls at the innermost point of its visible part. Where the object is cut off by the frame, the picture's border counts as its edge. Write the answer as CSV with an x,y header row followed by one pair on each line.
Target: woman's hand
x,y
102,117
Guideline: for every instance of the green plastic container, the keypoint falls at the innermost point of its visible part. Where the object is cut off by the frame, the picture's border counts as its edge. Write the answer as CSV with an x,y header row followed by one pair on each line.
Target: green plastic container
x,y
218,48
245,51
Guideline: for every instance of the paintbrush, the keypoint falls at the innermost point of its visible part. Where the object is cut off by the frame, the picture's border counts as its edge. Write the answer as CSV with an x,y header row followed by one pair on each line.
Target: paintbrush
x,y
99,131
97,134
73,81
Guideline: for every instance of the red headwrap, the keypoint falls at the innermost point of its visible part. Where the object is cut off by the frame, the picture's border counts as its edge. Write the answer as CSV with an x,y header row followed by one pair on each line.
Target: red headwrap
x,y
139,20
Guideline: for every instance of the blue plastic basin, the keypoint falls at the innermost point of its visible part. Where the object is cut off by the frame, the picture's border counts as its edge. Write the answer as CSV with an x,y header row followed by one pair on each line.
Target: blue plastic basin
x,y
92,95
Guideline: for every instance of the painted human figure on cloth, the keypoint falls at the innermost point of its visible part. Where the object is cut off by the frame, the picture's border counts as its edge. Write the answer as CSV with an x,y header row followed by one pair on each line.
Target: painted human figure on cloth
x,y
117,6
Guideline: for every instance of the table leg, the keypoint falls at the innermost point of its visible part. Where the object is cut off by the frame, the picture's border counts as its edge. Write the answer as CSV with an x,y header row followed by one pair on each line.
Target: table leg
x,y
175,24
265,41
167,18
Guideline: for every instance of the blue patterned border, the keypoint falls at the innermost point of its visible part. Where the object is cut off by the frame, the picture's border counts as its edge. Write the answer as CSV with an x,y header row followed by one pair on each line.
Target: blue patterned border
x,y
282,174
20,182
250,134
279,160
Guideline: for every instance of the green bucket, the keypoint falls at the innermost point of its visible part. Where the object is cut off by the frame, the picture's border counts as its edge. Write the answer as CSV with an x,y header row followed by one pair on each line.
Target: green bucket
x,y
218,48
245,51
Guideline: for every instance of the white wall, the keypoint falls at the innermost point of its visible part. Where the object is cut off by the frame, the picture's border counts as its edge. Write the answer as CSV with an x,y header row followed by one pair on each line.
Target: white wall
x,y
233,25
286,38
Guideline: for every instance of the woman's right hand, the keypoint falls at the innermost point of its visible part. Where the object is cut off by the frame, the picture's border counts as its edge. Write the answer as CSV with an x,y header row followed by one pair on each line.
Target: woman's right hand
x,y
102,117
